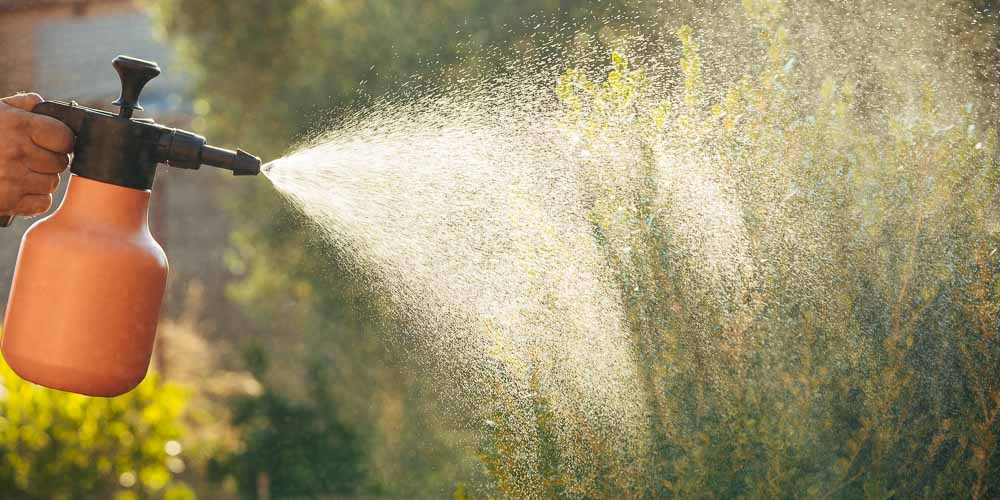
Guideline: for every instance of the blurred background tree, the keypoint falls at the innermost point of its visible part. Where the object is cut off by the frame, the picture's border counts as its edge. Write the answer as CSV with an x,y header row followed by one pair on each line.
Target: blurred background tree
x,y
292,448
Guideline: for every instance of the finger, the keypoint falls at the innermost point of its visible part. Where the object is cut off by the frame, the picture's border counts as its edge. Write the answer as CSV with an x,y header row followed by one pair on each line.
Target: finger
x,y
36,183
51,134
23,101
45,131
44,161
33,204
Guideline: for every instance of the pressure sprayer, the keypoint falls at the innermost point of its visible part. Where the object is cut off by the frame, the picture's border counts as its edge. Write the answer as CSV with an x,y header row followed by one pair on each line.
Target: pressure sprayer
x,y
90,278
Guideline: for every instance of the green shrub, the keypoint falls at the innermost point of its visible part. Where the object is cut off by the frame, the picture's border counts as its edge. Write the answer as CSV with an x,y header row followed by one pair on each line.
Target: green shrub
x,y
833,330
56,445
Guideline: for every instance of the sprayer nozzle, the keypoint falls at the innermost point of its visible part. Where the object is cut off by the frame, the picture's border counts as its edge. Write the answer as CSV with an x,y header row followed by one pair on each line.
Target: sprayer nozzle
x,y
240,162
246,164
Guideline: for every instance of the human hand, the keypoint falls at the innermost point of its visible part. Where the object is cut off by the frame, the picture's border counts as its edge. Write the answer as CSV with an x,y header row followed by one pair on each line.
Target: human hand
x,y
33,150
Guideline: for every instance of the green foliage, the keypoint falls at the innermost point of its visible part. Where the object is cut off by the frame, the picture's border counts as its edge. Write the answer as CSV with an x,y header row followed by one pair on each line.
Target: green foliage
x,y
860,356
291,448
461,494
545,480
55,445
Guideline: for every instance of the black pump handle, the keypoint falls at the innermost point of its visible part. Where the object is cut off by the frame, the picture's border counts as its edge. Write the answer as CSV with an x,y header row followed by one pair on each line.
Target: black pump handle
x,y
134,74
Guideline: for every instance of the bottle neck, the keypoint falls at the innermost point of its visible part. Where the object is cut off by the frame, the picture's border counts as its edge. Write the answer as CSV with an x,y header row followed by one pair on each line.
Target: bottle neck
x,y
98,203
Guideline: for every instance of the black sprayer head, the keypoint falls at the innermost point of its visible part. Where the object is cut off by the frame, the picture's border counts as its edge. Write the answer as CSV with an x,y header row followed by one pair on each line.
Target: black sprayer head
x,y
125,151
121,150
182,149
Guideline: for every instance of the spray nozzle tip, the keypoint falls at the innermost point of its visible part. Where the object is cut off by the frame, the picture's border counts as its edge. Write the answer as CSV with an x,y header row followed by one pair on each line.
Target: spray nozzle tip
x,y
239,161
246,163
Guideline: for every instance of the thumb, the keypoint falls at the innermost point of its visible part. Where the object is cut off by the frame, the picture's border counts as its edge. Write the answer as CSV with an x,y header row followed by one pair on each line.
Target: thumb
x,y
25,101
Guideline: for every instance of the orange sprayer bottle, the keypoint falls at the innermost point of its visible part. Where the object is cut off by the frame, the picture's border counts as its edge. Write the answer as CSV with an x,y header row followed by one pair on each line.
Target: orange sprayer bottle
x,y
90,278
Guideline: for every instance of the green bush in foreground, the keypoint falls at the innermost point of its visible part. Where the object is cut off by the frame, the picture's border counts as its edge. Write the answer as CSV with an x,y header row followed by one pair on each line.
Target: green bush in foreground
x,y
56,445
850,348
